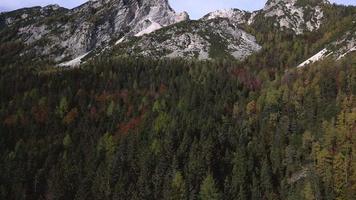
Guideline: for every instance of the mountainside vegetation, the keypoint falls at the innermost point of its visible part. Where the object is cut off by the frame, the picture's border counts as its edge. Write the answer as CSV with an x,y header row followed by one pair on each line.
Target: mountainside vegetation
x,y
174,129
127,126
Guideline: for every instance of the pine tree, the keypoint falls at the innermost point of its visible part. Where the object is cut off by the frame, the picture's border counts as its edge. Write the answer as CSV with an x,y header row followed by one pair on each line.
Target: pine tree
x,y
239,174
63,107
110,109
208,190
178,191
266,179
308,192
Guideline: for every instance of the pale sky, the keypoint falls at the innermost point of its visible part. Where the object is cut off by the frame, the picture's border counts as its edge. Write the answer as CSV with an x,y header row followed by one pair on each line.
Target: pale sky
x,y
195,8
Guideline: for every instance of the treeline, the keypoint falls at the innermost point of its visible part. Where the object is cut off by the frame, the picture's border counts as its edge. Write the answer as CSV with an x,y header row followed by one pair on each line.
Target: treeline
x,y
173,129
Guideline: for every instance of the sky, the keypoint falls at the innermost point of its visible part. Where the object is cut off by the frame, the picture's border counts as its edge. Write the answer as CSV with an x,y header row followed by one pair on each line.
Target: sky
x,y
195,8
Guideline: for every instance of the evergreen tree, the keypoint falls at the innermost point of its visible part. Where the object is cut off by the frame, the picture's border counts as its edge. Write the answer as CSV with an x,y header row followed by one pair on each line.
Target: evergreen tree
x,y
208,189
178,189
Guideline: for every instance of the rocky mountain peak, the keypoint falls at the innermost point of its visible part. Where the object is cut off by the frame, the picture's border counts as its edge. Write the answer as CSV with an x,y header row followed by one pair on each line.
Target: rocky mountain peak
x,y
200,39
52,7
130,27
233,14
296,15
297,2
68,34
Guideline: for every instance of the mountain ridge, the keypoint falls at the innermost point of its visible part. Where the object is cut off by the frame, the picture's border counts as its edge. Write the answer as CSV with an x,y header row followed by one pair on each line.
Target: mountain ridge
x,y
67,36
91,25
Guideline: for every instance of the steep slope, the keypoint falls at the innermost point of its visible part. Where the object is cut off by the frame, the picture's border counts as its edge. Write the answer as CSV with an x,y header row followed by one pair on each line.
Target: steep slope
x,y
298,16
71,33
127,128
203,39
25,16
152,29
233,14
336,38
336,50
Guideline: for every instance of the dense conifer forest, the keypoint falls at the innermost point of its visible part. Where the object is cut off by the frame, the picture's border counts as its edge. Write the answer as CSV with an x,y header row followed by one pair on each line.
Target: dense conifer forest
x,y
126,128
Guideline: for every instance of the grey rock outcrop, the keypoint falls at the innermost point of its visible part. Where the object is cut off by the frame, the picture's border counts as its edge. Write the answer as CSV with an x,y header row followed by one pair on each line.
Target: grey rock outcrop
x,y
295,15
203,39
63,34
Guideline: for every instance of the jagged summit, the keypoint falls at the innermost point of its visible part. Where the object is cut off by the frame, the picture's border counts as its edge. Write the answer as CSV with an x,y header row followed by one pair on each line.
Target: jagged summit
x,y
202,39
296,15
232,14
300,2
131,27
69,34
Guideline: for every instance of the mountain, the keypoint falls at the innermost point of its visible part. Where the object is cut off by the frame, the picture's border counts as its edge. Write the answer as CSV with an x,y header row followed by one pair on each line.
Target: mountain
x,y
336,50
233,14
201,39
296,15
62,34
331,26
259,105
67,36
152,28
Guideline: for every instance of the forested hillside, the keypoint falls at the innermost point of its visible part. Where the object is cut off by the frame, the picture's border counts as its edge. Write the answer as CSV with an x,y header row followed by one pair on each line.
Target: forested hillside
x,y
218,108
173,129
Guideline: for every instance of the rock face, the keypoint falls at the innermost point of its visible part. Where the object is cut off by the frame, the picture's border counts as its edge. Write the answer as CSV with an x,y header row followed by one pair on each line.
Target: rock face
x,y
202,39
152,28
345,45
296,15
235,15
218,34
67,34
338,49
